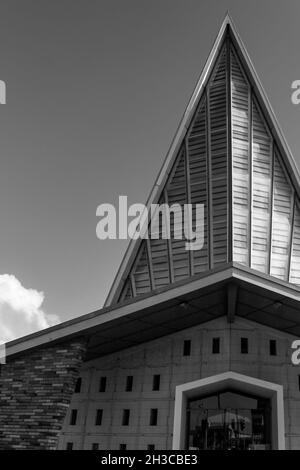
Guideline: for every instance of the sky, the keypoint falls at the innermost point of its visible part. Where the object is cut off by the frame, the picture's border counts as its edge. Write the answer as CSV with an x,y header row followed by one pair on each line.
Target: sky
x,y
95,92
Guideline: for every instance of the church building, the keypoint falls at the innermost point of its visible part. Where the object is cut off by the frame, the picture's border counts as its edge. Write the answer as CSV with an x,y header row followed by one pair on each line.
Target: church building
x,y
193,348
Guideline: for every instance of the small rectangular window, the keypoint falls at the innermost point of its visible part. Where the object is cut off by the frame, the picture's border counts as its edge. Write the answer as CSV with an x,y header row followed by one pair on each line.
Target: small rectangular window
x,y
73,417
216,346
187,347
244,345
78,385
273,347
156,382
125,418
99,415
151,447
69,446
123,446
95,446
102,384
129,383
153,416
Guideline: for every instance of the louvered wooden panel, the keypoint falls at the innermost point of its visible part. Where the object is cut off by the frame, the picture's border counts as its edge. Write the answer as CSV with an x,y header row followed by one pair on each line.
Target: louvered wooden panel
x,y
159,251
219,160
281,222
254,216
141,272
191,180
240,119
127,292
176,193
295,255
197,162
261,192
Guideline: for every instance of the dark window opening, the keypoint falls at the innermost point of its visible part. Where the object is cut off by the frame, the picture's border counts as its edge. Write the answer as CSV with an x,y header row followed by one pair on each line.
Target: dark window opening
x,y
156,382
125,419
95,446
216,346
153,416
73,417
187,347
244,345
273,347
69,446
78,385
129,383
123,446
102,384
99,415
151,447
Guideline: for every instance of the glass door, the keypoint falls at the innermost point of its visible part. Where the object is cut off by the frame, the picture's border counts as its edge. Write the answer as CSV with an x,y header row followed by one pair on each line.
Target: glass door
x,y
229,421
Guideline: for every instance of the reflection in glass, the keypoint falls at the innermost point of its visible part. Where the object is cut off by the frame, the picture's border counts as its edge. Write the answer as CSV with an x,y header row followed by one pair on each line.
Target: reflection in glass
x,y
229,421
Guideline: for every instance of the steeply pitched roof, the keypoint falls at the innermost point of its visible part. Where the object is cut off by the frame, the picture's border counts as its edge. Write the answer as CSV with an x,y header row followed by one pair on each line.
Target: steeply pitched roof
x,y
228,154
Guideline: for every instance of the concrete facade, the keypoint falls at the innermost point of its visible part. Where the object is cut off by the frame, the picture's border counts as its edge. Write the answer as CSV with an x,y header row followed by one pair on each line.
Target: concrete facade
x,y
165,357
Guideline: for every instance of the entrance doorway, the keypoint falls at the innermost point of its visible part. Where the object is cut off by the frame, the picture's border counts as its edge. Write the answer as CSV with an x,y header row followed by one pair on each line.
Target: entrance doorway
x,y
229,411
228,420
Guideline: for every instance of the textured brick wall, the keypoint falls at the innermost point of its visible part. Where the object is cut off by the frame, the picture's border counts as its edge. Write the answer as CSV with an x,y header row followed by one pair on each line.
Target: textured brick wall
x,y
35,392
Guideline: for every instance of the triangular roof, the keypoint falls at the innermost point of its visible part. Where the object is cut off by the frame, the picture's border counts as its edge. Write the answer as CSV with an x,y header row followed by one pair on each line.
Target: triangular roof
x,y
229,154
268,294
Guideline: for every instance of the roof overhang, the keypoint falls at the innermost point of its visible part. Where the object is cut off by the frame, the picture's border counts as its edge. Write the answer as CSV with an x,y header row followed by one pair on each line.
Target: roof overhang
x,y
231,291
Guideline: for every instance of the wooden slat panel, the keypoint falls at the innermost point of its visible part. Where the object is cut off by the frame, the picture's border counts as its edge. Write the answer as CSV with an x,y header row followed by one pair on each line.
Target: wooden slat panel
x,y
282,221
295,258
261,196
177,194
219,159
159,252
197,158
170,261
126,293
240,95
141,272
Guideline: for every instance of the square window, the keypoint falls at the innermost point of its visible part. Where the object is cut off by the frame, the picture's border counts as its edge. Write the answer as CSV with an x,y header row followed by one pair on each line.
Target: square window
x,y
69,446
95,446
151,447
123,446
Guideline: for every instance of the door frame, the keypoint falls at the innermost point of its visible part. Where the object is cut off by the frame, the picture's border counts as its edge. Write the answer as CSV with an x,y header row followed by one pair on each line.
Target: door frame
x,y
238,382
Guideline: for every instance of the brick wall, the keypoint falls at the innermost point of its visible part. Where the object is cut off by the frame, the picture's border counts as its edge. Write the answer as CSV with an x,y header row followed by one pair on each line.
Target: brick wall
x,y
35,392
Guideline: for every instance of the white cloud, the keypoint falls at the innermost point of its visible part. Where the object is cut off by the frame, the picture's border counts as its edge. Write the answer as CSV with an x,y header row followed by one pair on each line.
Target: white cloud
x,y
20,309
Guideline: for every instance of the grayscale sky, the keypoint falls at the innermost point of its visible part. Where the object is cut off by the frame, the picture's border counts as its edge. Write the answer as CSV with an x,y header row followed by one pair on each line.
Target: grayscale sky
x,y
95,91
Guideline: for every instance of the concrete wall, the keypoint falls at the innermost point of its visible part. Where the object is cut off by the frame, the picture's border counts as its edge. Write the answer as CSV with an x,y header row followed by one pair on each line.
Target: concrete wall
x,y
165,357
35,392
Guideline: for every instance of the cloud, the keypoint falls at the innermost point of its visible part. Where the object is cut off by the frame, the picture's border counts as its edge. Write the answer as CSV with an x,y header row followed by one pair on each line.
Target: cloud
x,y
20,309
